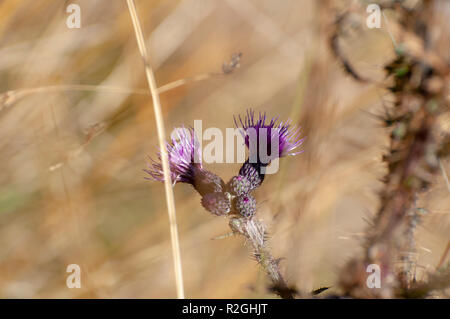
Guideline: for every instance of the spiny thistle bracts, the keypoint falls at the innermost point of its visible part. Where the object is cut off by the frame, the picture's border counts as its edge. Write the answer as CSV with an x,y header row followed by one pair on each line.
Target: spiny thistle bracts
x,y
239,185
245,205
252,171
206,182
216,203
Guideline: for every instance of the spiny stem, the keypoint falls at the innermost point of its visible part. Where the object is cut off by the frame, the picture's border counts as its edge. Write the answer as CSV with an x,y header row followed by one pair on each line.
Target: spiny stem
x,y
255,232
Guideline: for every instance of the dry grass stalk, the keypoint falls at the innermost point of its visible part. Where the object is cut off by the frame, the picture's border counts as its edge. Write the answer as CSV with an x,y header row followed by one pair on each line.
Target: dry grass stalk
x,y
164,157
12,96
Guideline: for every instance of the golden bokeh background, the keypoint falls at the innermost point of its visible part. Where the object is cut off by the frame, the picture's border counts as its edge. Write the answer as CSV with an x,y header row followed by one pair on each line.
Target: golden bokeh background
x,y
72,189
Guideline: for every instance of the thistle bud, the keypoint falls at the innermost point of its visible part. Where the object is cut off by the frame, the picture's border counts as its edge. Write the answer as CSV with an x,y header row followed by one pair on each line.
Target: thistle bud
x,y
245,205
216,203
239,185
206,182
251,171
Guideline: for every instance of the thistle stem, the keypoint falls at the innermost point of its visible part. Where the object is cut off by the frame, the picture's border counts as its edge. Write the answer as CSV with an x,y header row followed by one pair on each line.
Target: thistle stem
x,y
255,233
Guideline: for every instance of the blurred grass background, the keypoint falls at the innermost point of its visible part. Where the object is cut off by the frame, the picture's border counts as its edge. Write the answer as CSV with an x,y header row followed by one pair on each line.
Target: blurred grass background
x,y
72,189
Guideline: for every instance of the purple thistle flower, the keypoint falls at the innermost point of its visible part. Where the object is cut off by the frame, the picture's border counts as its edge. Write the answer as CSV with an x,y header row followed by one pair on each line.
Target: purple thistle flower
x,y
185,164
183,158
288,136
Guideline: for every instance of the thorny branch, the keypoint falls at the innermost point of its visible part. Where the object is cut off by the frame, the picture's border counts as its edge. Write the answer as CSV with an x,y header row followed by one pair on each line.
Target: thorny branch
x,y
421,96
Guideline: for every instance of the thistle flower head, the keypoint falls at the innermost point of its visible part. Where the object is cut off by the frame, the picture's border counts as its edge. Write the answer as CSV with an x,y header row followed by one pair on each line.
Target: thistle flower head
x,y
183,153
277,132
